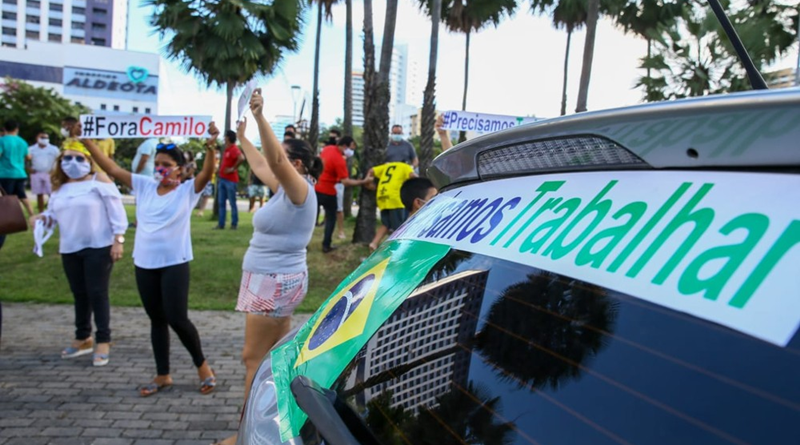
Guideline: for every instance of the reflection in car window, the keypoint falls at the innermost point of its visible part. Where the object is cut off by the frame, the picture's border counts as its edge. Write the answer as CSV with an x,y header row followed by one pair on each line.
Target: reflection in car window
x,y
486,351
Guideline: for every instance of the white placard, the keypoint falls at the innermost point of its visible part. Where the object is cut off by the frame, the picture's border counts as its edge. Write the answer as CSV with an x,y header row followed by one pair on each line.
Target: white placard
x,y
244,98
724,247
481,123
143,126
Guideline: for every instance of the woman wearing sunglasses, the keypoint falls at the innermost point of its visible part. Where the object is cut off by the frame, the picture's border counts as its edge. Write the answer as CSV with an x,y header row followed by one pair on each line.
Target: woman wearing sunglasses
x,y
162,252
91,220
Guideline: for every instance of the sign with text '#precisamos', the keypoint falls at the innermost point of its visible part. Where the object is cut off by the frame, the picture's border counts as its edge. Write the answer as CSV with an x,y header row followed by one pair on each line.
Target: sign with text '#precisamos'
x,y
723,247
481,122
143,126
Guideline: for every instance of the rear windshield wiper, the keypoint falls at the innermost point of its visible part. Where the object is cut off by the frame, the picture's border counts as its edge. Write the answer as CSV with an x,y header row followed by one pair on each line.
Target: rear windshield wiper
x,y
756,81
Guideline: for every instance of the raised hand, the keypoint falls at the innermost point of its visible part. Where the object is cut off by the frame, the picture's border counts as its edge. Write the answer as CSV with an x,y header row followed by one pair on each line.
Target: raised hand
x,y
257,102
241,126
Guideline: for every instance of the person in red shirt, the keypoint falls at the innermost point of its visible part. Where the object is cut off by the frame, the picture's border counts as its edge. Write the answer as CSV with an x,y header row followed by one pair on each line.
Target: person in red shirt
x,y
228,180
334,171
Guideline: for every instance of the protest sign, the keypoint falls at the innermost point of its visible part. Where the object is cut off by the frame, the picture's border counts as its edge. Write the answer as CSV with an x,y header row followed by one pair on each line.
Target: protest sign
x,y
244,99
143,126
482,123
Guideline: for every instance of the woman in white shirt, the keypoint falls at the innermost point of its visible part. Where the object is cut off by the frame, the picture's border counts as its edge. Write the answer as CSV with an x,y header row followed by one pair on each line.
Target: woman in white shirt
x,y
162,251
91,219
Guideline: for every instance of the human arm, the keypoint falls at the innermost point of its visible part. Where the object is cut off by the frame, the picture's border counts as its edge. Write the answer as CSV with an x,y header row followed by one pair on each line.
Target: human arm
x,y
294,185
142,162
116,214
258,163
205,175
236,164
444,135
108,165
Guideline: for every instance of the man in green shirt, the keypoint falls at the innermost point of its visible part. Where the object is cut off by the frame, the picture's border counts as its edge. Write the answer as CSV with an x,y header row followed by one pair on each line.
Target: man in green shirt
x,y
13,155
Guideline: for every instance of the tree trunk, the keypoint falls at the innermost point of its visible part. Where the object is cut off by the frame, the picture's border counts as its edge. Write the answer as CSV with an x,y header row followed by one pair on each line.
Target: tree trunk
x,y
313,130
376,111
229,98
429,97
366,219
348,74
566,68
592,15
462,136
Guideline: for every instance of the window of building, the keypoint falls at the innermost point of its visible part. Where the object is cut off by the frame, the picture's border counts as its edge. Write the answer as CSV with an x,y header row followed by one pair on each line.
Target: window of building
x,y
98,26
54,37
146,111
102,106
77,40
56,7
56,22
135,109
32,34
77,25
116,107
98,42
10,2
32,19
10,45
9,32
9,15
99,12
78,10
34,4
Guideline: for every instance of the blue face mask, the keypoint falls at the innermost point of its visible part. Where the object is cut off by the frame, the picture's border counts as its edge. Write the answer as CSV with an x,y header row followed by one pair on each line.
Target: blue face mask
x,y
397,137
74,169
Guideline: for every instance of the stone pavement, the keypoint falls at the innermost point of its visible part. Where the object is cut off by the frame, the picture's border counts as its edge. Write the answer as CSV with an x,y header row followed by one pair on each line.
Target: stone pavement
x,y
47,400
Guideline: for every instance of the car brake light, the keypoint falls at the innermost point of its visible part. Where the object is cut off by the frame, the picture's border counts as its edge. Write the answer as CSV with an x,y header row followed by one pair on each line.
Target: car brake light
x,y
565,154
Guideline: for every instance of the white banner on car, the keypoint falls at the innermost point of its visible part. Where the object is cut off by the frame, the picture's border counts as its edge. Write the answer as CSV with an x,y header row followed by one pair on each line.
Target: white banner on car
x,y
481,123
724,247
98,126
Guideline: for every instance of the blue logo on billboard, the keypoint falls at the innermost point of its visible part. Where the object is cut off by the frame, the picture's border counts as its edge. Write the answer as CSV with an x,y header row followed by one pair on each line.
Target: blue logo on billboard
x,y
137,74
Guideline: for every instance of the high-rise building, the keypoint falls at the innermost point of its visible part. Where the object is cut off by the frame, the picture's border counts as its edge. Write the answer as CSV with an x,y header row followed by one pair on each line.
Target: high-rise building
x,y
784,78
91,22
358,99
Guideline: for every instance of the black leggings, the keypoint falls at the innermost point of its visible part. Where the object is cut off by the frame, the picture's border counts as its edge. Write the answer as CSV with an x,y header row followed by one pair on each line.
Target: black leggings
x,y
88,272
165,296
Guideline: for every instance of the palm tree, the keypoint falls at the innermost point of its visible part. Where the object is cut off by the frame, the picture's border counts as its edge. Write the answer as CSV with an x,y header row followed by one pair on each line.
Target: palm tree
x,y
434,8
376,112
313,131
471,16
227,43
592,15
347,127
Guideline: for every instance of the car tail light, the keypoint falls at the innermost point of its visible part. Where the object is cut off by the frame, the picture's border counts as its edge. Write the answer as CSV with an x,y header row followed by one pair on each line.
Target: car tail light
x,y
565,154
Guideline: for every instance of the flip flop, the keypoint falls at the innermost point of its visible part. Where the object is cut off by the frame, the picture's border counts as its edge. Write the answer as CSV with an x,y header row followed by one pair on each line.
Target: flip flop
x,y
152,388
207,385
99,359
72,352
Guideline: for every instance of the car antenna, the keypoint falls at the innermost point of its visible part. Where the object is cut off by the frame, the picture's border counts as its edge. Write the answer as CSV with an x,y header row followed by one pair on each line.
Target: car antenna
x,y
756,81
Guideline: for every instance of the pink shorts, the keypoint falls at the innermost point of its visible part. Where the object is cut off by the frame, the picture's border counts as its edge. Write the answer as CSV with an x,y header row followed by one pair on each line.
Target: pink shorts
x,y
273,294
40,183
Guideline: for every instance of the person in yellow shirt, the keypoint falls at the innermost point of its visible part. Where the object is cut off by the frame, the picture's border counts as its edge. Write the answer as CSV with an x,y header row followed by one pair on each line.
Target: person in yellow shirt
x,y
389,179
108,147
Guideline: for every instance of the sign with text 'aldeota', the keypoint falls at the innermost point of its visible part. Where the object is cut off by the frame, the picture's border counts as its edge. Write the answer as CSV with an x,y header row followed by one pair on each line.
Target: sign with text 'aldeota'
x,y
136,83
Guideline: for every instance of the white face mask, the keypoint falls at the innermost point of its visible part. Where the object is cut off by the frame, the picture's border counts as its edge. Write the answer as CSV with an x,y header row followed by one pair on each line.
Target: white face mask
x,y
44,141
64,132
397,137
349,152
75,169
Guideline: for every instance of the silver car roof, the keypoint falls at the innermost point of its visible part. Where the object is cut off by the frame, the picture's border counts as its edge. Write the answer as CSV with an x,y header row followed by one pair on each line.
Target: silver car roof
x,y
738,130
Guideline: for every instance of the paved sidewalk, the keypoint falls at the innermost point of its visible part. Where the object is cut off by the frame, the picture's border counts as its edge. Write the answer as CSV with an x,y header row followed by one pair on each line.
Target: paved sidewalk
x,y
47,400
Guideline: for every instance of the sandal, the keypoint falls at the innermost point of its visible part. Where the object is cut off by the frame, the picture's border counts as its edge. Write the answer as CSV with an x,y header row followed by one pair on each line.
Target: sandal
x,y
99,359
152,388
207,385
85,348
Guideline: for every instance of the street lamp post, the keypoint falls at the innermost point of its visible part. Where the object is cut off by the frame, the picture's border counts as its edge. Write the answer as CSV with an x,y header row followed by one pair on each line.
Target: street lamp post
x,y
295,96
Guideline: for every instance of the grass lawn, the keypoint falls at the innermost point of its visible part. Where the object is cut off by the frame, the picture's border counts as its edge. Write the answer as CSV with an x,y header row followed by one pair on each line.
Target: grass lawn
x,y
216,269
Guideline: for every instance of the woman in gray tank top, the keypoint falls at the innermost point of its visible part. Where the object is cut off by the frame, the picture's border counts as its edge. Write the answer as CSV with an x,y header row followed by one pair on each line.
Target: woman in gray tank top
x,y
275,273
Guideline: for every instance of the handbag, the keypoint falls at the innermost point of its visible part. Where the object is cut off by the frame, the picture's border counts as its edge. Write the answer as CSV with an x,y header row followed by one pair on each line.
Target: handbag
x,y
12,220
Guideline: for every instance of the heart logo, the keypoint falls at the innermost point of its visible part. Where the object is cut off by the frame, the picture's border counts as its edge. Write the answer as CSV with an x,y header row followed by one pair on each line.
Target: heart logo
x,y
137,74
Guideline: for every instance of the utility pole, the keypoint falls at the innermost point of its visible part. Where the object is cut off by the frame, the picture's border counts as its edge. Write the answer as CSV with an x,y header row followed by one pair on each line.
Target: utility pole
x,y
797,67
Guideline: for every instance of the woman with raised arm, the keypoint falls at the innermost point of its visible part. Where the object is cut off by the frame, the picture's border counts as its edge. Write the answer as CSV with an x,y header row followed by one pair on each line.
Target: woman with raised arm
x,y
274,273
162,251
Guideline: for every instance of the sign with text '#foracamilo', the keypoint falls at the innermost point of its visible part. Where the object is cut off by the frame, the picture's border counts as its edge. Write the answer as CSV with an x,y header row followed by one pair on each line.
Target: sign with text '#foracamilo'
x,y
481,122
143,126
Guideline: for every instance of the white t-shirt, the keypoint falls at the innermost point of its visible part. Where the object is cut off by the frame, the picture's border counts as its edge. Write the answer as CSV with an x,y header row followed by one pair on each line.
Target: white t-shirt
x,y
148,148
88,213
163,229
43,158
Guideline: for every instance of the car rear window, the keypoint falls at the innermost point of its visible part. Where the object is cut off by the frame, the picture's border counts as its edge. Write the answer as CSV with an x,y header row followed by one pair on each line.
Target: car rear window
x,y
486,351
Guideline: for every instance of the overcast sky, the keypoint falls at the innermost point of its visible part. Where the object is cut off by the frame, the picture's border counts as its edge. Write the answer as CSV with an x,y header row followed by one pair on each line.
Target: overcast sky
x,y
515,69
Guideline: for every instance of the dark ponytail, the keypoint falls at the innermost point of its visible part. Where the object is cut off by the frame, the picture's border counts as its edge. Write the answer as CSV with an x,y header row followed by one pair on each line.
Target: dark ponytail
x,y
300,150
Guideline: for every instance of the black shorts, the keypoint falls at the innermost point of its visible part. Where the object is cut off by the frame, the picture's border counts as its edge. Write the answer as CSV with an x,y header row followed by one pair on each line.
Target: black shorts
x,y
14,186
393,218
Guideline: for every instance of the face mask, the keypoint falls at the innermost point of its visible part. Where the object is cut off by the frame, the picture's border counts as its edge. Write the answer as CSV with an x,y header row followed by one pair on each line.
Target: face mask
x,y
397,137
44,141
74,169
64,132
349,152
331,141
162,176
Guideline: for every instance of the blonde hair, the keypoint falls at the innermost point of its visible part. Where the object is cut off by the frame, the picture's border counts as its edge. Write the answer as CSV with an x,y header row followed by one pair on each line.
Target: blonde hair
x,y
59,178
